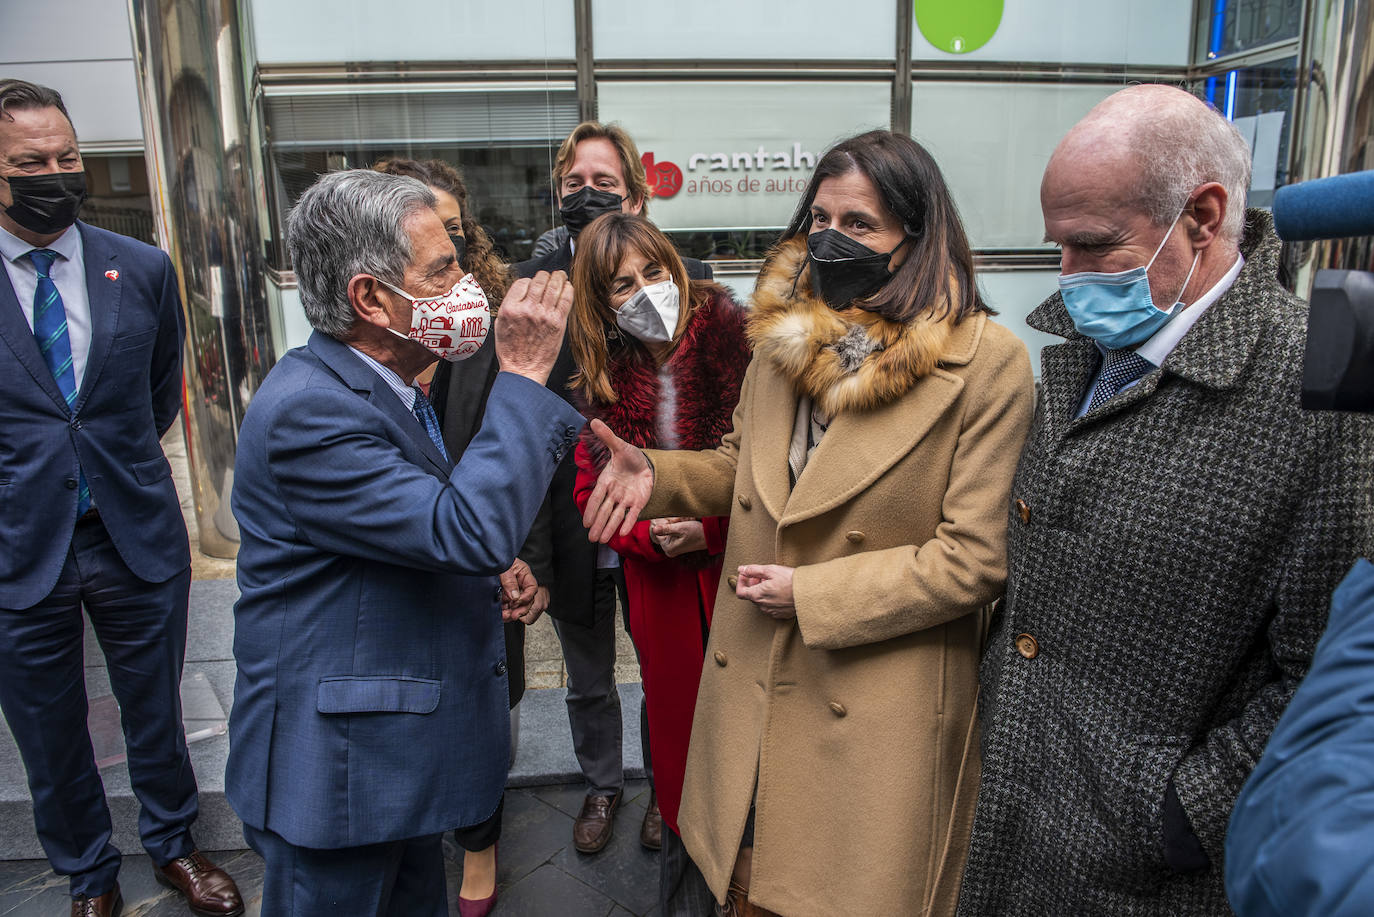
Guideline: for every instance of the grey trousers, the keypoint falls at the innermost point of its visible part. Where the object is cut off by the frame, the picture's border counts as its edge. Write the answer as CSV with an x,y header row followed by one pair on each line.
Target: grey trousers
x,y
682,889
593,702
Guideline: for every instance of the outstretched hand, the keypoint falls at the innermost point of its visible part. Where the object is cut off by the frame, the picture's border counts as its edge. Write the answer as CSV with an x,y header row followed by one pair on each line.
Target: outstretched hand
x,y
621,491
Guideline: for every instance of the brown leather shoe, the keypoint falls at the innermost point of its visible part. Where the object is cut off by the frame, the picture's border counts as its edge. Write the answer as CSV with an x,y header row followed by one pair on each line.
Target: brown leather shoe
x,y
592,829
651,832
208,889
109,904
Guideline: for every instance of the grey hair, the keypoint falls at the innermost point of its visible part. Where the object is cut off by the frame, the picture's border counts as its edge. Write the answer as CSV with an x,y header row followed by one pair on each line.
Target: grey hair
x,y
1180,143
349,223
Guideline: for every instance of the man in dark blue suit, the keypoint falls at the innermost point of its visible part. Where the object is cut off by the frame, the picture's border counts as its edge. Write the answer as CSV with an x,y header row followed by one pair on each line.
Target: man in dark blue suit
x,y
370,711
90,378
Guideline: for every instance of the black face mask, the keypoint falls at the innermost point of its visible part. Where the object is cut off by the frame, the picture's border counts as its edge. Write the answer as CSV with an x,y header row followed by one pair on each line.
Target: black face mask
x,y
460,248
586,204
843,270
47,203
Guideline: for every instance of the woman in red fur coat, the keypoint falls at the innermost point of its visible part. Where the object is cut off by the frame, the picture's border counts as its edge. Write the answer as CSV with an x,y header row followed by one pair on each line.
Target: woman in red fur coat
x,y
661,360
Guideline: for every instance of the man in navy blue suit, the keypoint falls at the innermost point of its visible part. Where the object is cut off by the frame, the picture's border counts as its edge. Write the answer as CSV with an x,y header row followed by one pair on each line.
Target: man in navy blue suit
x,y
90,378
370,710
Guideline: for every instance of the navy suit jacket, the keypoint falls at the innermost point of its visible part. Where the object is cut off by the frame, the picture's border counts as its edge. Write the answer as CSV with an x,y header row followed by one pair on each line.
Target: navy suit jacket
x,y
129,397
371,700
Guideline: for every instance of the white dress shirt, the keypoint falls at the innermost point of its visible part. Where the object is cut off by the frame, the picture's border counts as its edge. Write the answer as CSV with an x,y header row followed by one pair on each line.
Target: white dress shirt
x,y
68,272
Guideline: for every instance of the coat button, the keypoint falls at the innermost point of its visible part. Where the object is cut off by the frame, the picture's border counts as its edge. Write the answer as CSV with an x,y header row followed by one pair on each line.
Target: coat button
x,y
721,659
1026,646
733,580
837,708
500,667
70,483
1023,510
76,423
745,502
497,596
854,537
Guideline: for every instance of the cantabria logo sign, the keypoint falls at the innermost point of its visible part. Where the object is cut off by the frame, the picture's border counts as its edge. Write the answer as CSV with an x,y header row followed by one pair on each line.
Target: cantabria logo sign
x,y
958,26
761,170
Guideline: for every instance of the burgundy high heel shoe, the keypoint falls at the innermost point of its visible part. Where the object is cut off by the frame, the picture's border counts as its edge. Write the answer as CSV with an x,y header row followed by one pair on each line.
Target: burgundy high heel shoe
x,y
481,907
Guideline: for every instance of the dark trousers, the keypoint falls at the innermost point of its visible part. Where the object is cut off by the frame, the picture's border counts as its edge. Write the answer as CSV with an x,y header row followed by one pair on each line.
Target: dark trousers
x,y
393,879
141,627
593,702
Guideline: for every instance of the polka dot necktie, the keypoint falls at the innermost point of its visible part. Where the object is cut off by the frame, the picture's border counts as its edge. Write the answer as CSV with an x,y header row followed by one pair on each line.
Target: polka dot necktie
x,y
50,330
425,411
1119,369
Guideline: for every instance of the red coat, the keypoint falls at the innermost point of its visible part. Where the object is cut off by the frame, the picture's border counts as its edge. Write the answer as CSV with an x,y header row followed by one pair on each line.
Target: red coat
x,y
671,598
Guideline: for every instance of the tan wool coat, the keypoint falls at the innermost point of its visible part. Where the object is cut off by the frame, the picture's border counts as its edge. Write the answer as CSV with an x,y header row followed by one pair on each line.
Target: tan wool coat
x,y
851,727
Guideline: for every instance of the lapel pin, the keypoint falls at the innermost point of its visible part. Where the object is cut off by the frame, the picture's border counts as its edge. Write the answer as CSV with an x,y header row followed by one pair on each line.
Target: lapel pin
x,y
113,275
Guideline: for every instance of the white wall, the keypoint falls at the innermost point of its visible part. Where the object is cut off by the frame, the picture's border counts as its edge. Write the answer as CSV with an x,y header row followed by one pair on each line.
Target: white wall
x,y
84,50
315,31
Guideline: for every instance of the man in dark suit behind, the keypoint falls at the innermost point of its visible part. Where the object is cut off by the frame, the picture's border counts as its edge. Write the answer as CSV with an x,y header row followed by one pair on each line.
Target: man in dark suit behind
x,y
598,170
90,379
370,709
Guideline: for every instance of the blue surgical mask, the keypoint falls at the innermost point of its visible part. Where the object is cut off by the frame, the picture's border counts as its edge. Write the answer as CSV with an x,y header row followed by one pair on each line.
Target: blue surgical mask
x,y
1116,309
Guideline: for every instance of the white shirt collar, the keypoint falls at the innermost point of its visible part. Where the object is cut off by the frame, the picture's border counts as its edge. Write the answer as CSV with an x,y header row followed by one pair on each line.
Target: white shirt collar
x,y
14,248
393,381
1157,348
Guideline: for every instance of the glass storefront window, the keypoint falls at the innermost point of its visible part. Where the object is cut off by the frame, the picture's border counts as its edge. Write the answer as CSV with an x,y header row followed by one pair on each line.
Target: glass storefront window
x,y
992,141
1234,26
119,201
1259,100
1136,33
729,159
503,141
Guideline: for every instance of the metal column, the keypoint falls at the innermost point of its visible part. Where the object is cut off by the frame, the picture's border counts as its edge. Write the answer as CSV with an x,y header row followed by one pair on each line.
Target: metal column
x,y
194,63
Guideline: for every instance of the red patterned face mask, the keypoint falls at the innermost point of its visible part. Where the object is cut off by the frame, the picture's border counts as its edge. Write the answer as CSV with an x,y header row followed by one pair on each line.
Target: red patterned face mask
x,y
452,326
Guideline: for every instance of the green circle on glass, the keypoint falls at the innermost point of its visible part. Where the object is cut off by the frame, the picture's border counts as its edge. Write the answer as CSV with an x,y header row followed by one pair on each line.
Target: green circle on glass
x,y
958,26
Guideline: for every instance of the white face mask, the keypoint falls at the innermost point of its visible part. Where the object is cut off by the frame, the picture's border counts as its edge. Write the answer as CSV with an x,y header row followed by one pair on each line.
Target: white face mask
x,y
452,326
651,314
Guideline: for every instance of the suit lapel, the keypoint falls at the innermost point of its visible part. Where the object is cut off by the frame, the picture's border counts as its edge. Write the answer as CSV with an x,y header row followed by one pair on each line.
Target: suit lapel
x,y
361,378
103,295
18,336
860,446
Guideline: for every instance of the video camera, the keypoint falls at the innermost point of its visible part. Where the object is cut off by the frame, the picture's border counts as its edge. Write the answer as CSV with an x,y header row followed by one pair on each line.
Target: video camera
x,y
1338,369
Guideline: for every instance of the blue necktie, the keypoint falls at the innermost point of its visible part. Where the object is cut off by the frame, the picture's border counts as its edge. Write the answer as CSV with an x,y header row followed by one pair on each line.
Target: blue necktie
x,y
425,411
1119,369
50,329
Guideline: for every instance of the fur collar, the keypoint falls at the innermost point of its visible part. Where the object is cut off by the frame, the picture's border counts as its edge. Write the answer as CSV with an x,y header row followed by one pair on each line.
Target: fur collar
x,y
850,360
707,369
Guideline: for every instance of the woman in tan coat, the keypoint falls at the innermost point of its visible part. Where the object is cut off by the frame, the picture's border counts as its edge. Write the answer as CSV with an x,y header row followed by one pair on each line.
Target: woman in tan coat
x,y
833,761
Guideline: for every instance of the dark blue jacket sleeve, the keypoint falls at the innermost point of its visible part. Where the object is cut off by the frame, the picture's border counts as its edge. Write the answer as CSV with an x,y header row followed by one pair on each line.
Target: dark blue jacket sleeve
x,y
1301,838
165,377
351,491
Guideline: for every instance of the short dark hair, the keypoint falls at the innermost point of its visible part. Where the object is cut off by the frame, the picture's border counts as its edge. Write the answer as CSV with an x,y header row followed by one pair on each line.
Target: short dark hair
x,y
937,276
21,94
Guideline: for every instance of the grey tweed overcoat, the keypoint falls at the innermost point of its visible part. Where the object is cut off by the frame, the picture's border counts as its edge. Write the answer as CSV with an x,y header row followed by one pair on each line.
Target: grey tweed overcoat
x,y
1171,556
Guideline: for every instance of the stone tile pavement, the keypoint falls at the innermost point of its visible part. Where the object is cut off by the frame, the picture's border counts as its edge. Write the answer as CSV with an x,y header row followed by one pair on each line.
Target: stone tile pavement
x,y
539,872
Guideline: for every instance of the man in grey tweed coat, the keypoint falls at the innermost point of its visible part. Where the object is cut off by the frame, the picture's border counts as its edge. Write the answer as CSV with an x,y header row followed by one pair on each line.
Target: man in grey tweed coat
x,y
1173,546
